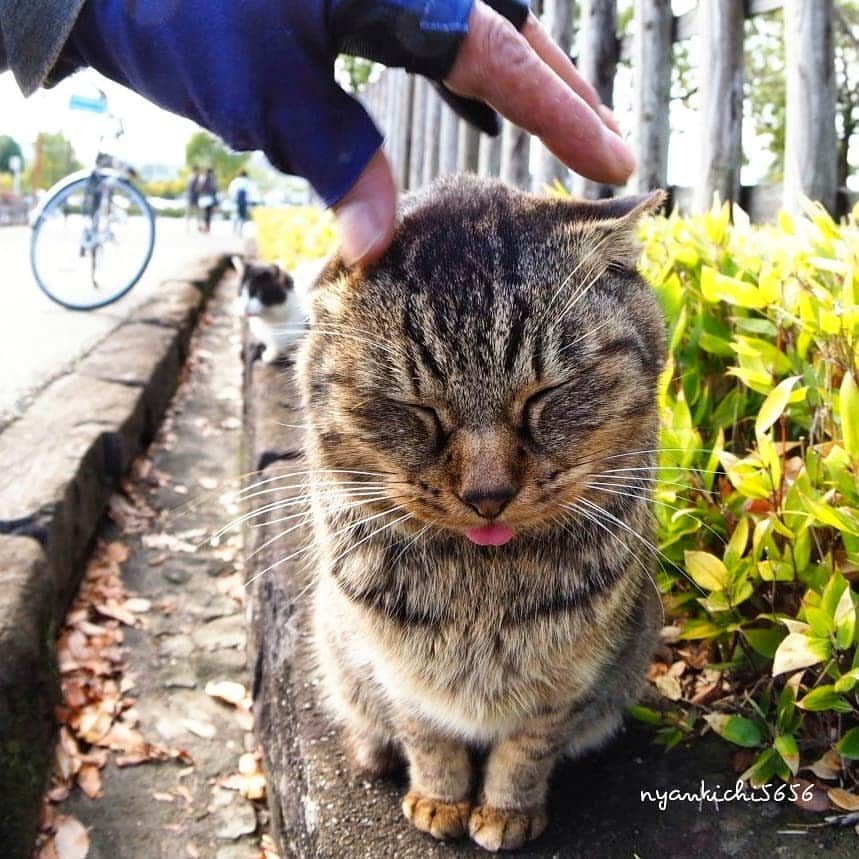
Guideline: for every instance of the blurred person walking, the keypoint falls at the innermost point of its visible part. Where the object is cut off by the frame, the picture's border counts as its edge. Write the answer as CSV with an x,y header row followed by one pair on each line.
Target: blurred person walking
x,y
241,192
208,199
192,209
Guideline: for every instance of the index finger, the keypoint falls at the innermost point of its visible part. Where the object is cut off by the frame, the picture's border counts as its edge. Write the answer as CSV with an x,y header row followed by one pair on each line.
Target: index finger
x,y
500,66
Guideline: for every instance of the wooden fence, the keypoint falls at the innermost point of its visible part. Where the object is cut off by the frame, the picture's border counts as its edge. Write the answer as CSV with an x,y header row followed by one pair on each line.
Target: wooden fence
x,y
425,138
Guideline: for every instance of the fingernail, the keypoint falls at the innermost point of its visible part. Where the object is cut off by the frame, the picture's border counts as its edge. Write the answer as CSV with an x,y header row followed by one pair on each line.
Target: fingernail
x,y
622,155
361,230
609,118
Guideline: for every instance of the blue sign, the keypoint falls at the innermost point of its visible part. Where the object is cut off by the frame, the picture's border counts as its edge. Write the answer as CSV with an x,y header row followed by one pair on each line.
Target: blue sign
x,y
92,105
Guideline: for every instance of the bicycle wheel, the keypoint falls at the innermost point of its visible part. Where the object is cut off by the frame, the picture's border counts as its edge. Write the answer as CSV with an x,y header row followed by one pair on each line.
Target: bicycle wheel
x,y
92,242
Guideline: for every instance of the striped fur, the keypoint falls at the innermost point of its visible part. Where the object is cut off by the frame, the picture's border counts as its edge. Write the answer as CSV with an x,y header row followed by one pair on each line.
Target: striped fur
x,y
504,346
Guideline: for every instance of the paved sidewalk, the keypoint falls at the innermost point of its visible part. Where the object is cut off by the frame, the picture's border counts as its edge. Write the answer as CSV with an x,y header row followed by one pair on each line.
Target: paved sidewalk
x,y
193,630
40,339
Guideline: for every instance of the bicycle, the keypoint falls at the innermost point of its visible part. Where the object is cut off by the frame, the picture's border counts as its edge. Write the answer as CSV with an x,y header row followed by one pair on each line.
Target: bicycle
x,y
94,233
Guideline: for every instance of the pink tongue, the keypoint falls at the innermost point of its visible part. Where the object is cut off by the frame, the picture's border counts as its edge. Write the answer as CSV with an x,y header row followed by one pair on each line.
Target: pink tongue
x,y
490,535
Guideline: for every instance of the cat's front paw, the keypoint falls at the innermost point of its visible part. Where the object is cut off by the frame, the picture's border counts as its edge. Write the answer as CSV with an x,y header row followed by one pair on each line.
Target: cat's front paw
x,y
440,819
505,828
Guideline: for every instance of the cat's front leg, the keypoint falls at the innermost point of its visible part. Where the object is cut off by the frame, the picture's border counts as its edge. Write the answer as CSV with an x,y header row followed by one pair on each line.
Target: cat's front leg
x,y
438,801
512,805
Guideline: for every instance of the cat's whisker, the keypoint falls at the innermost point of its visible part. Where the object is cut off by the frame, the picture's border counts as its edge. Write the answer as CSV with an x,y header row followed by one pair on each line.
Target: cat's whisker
x,y
601,511
307,473
344,485
310,545
580,294
362,499
636,556
617,489
598,246
589,333
640,478
284,503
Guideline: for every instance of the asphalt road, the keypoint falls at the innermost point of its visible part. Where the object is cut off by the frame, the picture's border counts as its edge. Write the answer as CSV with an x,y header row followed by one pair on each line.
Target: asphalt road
x,y
39,340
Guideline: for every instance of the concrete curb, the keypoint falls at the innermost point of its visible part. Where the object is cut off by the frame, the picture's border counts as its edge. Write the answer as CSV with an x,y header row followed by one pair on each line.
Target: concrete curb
x,y
601,806
59,463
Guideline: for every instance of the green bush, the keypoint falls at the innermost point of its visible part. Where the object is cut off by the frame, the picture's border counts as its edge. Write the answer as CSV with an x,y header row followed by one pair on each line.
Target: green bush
x,y
757,497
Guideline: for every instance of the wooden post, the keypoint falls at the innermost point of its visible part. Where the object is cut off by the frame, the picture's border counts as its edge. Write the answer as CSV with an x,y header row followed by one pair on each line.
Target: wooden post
x,y
469,148
652,69
720,76
432,130
489,161
810,153
416,158
558,18
598,50
515,156
449,143
399,130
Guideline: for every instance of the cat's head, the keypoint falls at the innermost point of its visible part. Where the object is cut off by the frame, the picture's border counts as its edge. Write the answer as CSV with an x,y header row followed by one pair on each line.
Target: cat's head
x,y
262,288
499,360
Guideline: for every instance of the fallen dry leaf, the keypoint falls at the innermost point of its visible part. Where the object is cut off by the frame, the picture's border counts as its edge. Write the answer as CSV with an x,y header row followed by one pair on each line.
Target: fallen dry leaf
x,y
89,780
818,802
669,686
227,690
844,799
71,840
828,767
206,730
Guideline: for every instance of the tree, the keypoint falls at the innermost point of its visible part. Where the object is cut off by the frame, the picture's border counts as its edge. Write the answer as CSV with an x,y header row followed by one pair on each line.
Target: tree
x,y
8,148
765,83
205,150
53,159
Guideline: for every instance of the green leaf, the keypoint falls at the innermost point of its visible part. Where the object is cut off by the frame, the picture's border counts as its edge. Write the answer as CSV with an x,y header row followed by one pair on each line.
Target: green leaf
x,y
849,411
845,620
735,729
707,571
799,651
786,746
696,628
764,641
847,680
766,765
774,405
738,542
824,698
645,714
848,745
821,624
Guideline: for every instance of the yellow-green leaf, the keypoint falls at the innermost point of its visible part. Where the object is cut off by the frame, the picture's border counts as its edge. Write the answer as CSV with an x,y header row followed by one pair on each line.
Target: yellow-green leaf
x,y
849,411
736,729
774,405
786,746
707,570
799,651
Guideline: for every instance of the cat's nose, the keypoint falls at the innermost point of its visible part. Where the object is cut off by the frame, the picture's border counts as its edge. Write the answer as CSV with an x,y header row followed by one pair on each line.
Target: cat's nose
x,y
489,503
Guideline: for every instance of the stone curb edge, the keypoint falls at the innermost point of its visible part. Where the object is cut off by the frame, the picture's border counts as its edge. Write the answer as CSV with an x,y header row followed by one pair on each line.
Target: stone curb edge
x,y
59,463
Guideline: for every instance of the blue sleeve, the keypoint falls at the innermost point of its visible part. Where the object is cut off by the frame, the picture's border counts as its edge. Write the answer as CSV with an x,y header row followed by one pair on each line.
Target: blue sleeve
x,y
260,73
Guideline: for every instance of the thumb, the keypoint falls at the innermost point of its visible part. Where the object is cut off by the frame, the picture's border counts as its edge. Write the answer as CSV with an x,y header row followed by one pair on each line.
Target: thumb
x,y
366,215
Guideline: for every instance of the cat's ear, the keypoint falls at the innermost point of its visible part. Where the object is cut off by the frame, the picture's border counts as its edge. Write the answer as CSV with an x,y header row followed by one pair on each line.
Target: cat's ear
x,y
608,229
238,264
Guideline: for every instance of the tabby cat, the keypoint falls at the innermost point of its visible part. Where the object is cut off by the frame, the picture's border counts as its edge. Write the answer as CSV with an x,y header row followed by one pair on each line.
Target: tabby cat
x,y
482,425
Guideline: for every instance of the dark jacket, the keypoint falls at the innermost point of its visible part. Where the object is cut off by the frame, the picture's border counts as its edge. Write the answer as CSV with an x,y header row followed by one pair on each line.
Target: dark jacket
x,y
258,73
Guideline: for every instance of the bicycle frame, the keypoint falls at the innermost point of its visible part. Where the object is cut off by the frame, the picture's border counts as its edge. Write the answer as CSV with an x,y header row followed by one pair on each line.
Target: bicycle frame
x,y
71,179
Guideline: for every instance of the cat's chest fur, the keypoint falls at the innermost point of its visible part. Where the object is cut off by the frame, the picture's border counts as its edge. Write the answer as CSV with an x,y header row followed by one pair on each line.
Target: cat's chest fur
x,y
477,644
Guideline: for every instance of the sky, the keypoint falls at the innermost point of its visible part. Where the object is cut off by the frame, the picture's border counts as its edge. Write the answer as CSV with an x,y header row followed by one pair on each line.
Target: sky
x,y
152,136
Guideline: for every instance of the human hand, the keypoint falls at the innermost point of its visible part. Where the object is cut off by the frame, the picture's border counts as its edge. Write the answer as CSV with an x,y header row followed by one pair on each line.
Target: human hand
x,y
528,79
260,74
